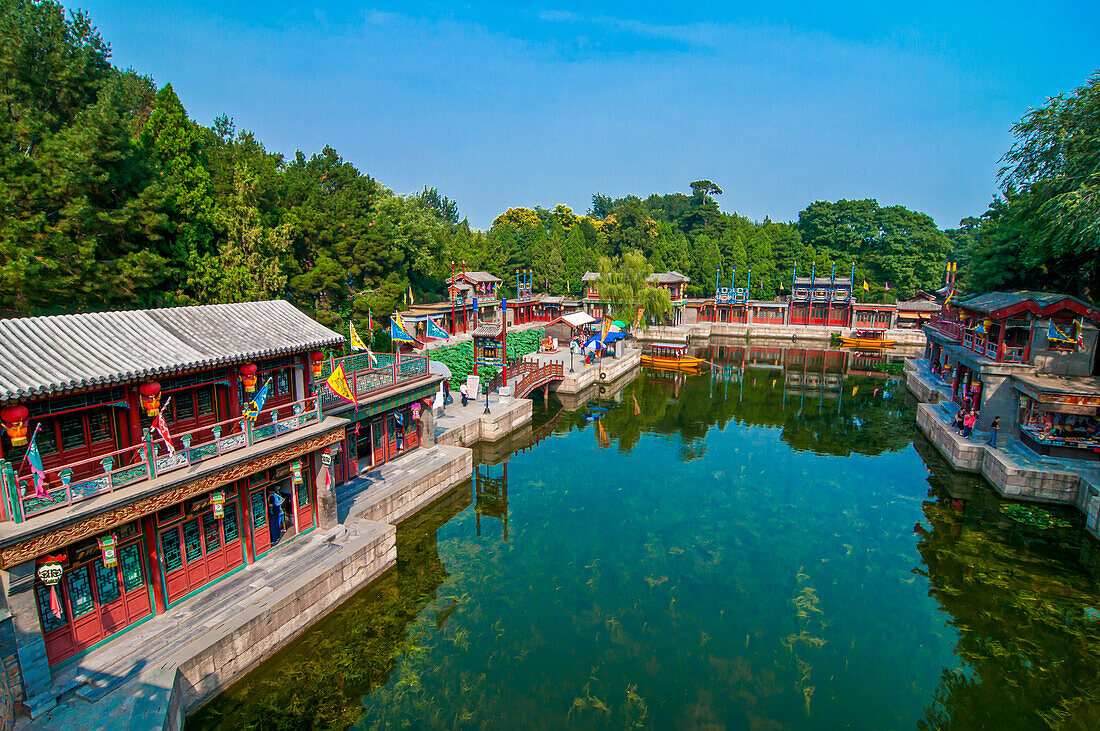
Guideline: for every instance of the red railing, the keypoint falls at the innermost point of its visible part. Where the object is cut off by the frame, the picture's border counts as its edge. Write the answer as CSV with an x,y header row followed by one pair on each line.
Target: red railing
x,y
531,377
949,328
139,463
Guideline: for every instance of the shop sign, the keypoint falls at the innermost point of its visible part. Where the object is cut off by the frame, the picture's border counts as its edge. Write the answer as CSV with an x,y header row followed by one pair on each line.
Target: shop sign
x,y
416,411
326,459
1059,398
217,499
108,544
296,471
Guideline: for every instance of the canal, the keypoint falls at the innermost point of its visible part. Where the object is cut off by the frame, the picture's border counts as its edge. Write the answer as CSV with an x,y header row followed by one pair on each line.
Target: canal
x,y
771,545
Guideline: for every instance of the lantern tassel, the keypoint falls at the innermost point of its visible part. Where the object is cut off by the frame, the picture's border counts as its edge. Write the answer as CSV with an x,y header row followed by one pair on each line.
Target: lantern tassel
x,y
55,603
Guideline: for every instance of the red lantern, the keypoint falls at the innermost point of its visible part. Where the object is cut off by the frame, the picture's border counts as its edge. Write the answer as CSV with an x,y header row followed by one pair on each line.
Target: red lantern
x,y
15,423
248,377
316,359
150,397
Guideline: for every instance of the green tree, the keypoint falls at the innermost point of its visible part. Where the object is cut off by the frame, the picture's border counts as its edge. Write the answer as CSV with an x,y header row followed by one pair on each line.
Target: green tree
x,y
623,285
1054,170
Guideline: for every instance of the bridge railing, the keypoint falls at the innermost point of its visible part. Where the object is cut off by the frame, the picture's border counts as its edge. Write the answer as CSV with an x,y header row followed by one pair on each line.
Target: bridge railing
x,y
537,375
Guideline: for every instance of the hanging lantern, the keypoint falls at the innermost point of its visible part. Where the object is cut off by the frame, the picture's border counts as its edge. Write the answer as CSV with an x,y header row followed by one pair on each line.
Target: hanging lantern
x,y
217,499
49,573
108,544
15,423
248,377
150,397
316,360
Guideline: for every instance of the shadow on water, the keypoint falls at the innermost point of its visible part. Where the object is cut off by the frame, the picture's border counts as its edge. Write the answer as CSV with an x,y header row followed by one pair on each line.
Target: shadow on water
x,y
570,599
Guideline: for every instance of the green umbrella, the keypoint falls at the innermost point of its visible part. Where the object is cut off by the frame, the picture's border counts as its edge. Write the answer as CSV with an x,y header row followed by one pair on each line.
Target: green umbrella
x,y
618,323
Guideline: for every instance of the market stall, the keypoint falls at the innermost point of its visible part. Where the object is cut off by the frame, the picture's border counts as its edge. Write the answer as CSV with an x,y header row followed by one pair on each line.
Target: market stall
x,y
1060,417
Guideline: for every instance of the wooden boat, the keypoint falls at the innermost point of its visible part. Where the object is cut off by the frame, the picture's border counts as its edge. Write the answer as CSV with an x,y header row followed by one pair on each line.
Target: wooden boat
x,y
867,339
669,356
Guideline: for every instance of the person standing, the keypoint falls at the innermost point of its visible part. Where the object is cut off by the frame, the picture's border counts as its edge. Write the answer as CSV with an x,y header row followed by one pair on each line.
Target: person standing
x,y
275,516
994,429
968,424
464,392
957,423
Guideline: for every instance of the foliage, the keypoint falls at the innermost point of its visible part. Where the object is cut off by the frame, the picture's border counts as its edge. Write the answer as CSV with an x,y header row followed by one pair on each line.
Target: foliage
x,y
1033,515
623,286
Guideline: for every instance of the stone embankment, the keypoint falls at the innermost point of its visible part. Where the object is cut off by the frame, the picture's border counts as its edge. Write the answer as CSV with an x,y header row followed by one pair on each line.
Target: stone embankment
x,y
689,334
1011,468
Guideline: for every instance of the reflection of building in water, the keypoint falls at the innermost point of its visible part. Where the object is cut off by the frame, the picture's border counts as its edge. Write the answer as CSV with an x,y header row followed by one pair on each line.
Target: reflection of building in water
x,y
491,494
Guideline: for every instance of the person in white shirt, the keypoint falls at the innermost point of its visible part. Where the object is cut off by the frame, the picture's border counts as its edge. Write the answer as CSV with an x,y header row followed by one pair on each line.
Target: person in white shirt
x,y
465,393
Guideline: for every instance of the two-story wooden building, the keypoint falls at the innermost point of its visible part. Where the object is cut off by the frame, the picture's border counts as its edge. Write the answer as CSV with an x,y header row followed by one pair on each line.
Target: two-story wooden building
x,y
152,441
1028,357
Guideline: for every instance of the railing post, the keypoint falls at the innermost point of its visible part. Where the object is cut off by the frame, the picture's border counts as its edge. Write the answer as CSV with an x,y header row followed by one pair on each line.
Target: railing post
x,y
150,457
11,492
248,429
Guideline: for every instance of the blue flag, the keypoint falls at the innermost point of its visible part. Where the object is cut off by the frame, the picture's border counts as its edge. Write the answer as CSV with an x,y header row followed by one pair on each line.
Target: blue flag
x,y
435,331
256,405
399,333
34,459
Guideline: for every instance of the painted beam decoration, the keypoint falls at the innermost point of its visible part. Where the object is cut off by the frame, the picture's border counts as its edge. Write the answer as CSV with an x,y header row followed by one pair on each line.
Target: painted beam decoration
x,y
59,537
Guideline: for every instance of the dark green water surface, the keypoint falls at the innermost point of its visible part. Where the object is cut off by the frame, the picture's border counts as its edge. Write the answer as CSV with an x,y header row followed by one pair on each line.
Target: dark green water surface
x,y
751,550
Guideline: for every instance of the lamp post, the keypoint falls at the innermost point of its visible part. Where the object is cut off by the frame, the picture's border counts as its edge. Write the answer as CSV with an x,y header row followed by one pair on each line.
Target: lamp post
x,y
570,357
486,398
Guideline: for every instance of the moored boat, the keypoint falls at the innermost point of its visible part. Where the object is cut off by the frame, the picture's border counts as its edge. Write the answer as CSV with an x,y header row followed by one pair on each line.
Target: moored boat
x,y
669,356
867,339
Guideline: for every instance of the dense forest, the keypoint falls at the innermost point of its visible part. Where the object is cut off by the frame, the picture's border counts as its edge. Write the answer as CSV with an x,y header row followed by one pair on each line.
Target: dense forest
x,y
111,196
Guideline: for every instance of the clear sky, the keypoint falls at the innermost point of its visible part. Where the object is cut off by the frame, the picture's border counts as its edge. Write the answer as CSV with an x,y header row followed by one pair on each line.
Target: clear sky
x,y
501,104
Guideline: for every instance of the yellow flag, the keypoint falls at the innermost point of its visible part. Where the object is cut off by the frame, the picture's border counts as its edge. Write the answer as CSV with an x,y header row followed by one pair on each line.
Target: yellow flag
x,y
356,341
865,287
638,318
338,382
606,328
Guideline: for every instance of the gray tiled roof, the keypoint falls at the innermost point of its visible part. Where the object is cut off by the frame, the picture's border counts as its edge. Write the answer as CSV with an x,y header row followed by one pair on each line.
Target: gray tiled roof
x,y
590,277
668,278
487,330
919,306
994,301
476,277
48,355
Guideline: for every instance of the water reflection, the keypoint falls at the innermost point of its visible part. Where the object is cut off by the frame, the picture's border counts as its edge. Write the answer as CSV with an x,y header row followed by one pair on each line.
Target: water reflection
x,y
1025,606
730,572
827,401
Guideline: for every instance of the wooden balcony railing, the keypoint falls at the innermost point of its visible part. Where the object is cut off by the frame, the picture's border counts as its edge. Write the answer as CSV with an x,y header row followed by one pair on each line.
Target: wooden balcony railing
x,y
147,461
951,329
363,379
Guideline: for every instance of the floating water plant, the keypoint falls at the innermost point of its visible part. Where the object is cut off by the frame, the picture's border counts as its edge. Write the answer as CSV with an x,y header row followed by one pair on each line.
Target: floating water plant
x,y
1034,516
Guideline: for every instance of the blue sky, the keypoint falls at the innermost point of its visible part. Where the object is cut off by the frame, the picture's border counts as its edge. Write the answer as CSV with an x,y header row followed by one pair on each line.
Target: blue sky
x,y
505,104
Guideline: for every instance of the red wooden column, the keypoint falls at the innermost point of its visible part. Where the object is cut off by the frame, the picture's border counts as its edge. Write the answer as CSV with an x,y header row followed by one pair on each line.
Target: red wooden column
x,y
152,560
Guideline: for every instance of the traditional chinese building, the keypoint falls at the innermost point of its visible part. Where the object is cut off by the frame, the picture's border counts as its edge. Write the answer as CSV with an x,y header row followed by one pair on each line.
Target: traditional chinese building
x,y
1028,357
824,301
142,459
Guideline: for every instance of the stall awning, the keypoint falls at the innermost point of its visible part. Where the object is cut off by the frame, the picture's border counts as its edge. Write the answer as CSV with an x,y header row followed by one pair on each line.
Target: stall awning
x,y
1061,394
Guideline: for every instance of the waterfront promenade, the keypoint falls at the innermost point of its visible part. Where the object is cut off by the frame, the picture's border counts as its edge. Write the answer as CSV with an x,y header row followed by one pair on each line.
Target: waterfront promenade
x,y
1012,468
689,333
154,675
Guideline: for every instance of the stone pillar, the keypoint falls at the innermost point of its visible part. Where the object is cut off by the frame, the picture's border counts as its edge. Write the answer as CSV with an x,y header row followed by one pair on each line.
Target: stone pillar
x,y
327,515
29,644
427,427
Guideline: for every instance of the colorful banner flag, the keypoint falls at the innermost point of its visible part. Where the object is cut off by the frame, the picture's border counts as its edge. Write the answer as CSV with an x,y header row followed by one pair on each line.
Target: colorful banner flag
x,y
433,330
256,405
160,426
338,382
1055,334
411,301
887,286
638,317
866,287
356,341
398,331
38,472
606,328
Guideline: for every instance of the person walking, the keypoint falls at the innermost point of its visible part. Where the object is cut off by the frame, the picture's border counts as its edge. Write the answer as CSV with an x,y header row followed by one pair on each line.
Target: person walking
x,y
464,392
994,429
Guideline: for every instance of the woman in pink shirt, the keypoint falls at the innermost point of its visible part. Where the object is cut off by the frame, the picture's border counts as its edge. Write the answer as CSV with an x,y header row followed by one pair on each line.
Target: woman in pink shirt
x,y
968,424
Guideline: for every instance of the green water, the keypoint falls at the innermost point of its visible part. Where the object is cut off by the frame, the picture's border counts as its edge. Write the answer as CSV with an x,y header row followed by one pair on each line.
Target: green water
x,y
739,554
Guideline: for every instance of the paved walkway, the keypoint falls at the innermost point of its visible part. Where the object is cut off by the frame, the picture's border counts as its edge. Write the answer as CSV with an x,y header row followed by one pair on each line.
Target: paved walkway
x,y
1019,454
364,490
128,682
